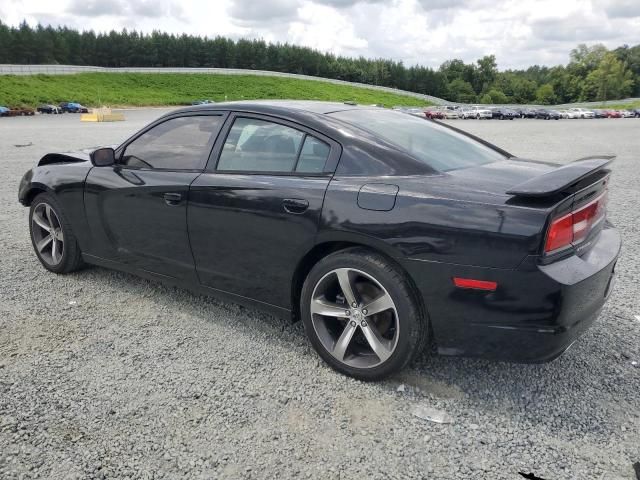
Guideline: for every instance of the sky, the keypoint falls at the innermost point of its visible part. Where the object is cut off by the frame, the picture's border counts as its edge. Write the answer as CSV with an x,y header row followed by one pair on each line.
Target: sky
x,y
519,33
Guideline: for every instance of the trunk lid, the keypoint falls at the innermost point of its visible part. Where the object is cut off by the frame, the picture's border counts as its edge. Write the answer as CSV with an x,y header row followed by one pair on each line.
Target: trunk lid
x,y
573,197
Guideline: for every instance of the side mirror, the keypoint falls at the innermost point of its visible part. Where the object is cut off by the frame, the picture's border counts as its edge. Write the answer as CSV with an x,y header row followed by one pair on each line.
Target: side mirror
x,y
103,157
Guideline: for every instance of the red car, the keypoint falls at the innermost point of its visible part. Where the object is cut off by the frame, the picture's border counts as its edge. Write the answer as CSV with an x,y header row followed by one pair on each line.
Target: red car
x,y
438,114
613,114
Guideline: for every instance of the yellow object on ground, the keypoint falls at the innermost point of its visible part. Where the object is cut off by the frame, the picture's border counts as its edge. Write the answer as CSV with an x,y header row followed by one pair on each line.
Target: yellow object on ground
x,y
102,115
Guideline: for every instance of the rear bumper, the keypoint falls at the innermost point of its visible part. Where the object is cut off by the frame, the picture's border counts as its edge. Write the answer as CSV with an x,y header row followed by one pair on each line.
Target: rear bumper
x,y
535,314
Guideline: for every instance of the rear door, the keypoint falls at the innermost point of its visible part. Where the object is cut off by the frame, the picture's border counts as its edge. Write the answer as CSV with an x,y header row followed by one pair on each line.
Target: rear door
x,y
137,209
255,211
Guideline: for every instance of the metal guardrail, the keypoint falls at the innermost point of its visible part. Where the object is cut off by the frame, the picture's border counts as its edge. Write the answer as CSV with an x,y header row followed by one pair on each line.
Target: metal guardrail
x,y
12,69
597,104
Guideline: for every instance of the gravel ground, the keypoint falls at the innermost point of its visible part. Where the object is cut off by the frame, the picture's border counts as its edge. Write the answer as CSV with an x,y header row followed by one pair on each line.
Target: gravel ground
x,y
105,375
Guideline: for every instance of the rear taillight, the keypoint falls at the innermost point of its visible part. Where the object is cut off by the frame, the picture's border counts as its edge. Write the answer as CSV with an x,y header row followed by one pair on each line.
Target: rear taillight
x,y
575,226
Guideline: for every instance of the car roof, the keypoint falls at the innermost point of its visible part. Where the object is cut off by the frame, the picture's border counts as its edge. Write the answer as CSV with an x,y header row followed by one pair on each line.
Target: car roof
x,y
279,106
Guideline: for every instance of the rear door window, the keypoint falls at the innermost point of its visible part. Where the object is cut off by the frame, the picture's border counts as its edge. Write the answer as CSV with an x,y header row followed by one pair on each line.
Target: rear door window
x,y
313,156
256,145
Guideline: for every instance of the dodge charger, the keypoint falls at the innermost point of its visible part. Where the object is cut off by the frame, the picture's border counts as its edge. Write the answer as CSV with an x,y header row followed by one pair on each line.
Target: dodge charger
x,y
382,232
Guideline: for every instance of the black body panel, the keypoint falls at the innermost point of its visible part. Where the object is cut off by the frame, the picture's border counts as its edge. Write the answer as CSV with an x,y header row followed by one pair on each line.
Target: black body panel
x,y
135,221
249,236
561,178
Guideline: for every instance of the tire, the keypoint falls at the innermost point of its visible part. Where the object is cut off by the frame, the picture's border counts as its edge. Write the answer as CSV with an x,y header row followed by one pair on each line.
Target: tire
x,y
70,258
399,329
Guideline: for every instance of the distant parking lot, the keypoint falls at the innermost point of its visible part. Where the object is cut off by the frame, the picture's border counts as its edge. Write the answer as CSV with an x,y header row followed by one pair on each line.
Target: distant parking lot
x,y
104,375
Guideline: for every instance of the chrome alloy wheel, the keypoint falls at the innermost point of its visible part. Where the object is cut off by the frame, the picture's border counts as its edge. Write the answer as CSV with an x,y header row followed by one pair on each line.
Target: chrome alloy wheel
x,y
47,234
355,318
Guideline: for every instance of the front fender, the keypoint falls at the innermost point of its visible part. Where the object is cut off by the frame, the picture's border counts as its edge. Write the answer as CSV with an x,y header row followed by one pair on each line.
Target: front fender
x,y
66,182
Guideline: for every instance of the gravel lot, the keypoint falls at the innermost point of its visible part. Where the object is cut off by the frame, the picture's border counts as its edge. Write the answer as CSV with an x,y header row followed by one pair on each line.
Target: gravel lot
x,y
104,375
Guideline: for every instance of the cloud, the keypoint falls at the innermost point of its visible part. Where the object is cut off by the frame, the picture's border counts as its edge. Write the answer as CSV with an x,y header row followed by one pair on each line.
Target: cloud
x,y
126,8
573,30
335,33
250,12
96,8
621,8
346,3
431,5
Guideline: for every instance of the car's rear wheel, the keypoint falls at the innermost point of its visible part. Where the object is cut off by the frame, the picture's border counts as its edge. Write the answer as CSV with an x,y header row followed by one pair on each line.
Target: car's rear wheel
x,y
360,314
53,240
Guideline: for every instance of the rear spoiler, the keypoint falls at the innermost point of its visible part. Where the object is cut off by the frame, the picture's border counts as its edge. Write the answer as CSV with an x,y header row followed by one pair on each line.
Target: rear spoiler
x,y
562,177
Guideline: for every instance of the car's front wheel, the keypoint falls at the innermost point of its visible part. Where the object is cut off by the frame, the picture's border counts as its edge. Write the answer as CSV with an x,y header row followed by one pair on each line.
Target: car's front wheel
x,y
361,315
51,235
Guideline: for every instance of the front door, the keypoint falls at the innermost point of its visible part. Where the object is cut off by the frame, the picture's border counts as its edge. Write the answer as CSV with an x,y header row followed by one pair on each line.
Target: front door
x,y
139,206
255,211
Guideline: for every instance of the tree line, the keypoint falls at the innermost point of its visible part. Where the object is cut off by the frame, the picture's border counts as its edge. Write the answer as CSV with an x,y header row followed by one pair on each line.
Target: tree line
x,y
593,72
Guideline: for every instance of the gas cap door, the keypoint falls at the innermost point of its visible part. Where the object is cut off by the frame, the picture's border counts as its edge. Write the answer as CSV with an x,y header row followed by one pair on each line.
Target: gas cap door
x,y
378,196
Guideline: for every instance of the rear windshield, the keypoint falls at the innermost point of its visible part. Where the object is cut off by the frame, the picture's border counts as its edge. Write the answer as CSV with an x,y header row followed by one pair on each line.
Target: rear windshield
x,y
437,146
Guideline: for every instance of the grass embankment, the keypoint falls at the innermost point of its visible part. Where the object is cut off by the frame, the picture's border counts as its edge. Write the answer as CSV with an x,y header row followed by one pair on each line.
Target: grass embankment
x,y
149,89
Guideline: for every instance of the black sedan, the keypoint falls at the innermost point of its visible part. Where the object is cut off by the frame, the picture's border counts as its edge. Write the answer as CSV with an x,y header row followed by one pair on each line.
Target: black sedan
x,y
528,112
49,109
382,232
503,113
547,114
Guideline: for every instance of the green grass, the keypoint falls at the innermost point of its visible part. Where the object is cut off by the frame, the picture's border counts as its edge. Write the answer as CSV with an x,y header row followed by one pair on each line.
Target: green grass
x,y
148,89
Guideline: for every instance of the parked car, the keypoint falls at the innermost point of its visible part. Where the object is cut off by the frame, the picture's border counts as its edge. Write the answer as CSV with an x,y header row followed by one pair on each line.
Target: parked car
x,y
568,114
548,114
528,113
465,113
73,107
354,222
636,112
450,113
599,113
3,111
583,112
613,114
202,102
503,113
49,109
20,112
434,113
481,112
627,113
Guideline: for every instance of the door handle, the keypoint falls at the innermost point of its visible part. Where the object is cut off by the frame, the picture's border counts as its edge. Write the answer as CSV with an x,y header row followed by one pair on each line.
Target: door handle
x,y
172,198
295,205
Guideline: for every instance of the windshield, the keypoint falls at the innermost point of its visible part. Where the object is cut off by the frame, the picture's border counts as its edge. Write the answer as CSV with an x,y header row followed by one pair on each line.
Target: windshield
x,y
437,146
